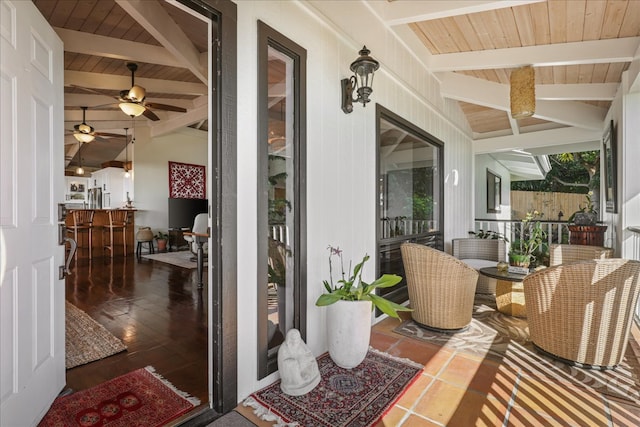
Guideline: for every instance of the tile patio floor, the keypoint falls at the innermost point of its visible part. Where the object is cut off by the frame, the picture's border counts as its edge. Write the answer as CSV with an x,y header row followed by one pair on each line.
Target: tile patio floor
x,y
459,389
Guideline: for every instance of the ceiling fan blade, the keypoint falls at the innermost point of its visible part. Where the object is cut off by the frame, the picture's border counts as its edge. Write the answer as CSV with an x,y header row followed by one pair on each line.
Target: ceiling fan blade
x,y
150,115
165,107
114,135
96,91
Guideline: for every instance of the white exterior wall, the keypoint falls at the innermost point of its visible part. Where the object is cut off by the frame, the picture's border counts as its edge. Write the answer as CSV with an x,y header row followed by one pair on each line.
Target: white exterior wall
x,y
341,150
151,171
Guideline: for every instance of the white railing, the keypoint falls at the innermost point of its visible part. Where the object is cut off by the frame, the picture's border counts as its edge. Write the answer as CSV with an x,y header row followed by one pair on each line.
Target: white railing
x,y
279,233
636,256
557,231
405,227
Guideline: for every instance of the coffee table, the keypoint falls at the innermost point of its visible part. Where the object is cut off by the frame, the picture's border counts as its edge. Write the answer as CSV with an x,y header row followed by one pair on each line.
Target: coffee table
x,y
509,291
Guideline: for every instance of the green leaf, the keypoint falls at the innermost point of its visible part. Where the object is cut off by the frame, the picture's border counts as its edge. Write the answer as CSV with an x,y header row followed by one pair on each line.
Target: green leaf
x,y
387,307
327,286
327,299
386,281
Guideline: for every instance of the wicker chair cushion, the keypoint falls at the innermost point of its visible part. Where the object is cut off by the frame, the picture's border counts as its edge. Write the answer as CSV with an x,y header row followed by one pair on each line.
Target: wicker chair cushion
x,y
479,263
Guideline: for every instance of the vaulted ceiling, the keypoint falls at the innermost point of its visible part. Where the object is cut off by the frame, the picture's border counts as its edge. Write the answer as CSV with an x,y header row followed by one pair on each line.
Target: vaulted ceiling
x,y
578,48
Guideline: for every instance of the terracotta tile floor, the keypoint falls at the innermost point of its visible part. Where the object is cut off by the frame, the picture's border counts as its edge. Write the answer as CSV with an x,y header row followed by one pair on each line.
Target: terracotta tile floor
x,y
457,389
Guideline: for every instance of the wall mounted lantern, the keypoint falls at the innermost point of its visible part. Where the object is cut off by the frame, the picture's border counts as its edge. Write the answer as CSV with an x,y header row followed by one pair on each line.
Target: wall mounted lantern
x,y
361,81
523,92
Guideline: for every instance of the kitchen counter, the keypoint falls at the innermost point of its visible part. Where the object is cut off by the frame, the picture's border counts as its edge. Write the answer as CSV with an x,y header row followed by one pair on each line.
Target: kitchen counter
x,y
100,238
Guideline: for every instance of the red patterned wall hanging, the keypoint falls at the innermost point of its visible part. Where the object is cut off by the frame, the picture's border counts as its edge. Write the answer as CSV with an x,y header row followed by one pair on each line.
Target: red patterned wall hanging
x,y
187,181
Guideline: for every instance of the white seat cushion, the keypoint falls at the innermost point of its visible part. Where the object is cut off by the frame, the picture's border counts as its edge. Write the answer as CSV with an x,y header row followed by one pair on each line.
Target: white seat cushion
x,y
479,263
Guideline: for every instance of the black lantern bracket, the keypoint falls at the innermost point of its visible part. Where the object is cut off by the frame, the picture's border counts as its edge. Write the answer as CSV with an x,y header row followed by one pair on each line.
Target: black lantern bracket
x,y
361,81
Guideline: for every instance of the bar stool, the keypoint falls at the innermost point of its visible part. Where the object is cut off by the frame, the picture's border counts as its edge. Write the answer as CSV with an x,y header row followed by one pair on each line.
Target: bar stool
x,y
82,220
118,220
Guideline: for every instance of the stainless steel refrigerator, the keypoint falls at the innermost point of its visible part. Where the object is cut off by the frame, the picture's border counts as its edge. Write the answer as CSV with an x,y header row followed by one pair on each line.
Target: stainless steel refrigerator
x,y
95,198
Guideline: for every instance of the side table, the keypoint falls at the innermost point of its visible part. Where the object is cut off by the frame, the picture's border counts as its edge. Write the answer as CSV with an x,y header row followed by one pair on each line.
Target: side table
x,y
509,291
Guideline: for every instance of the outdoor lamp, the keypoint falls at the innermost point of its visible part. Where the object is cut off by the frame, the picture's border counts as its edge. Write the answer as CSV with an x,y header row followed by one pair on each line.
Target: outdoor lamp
x,y
132,109
522,92
361,81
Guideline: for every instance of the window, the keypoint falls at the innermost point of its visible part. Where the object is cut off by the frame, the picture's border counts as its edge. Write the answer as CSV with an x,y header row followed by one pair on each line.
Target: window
x,y
410,193
494,192
281,203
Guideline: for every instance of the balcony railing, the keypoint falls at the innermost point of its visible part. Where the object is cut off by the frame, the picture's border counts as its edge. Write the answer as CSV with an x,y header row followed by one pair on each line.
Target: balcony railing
x,y
557,231
635,230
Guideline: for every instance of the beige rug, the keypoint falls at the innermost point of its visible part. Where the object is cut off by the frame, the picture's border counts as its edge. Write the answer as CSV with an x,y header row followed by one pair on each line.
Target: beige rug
x,y
87,340
180,259
496,336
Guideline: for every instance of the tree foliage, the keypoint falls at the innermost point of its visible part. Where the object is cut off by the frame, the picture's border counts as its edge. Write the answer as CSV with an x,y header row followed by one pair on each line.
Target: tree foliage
x,y
570,173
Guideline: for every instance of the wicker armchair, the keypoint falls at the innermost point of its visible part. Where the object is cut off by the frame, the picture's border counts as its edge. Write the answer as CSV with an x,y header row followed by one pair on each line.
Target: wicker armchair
x,y
561,254
479,253
581,312
441,287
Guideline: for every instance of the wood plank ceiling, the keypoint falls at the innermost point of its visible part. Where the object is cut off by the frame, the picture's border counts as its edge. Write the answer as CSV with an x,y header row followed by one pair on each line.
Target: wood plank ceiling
x,y
579,50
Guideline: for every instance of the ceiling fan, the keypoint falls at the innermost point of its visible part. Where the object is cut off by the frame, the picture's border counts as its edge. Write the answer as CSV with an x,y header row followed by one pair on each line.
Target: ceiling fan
x,y
84,133
133,102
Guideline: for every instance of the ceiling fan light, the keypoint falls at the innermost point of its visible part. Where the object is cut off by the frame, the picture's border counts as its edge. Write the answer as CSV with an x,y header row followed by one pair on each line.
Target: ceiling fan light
x,y
84,128
131,109
523,92
137,93
83,137
79,171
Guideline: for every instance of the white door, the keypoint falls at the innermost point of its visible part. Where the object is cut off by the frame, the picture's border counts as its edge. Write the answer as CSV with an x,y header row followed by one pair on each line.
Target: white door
x,y
32,365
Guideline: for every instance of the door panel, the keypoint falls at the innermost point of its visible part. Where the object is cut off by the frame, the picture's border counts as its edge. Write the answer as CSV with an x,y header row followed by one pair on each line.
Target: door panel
x,y
32,183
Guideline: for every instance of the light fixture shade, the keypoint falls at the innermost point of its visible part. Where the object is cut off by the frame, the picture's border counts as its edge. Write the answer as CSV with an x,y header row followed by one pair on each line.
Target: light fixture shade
x,y
137,93
523,92
363,69
79,171
131,109
83,137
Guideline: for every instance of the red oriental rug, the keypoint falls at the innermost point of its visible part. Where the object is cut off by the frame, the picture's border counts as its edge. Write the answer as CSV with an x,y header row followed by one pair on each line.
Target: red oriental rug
x,y
139,398
355,397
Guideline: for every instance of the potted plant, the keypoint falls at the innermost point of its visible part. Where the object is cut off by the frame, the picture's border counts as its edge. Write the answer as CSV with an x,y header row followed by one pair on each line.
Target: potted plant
x,y
162,238
586,215
350,301
530,242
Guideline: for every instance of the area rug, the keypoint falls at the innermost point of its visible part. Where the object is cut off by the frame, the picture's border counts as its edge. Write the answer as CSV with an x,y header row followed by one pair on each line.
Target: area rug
x,y
139,398
179,259
345,397
505,339
86,340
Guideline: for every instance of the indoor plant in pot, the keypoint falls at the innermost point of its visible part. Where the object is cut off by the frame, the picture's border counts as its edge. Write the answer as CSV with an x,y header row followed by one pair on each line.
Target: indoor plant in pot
x,y
350,301
529,243
586,215
162,238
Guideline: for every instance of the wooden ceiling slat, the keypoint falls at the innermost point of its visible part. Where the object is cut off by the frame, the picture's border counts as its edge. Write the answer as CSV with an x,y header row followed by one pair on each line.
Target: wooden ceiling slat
x,y
575,20
544,75
499,39
437,32
571,74
613,17
457,36
482,31
465,27
558,21
599,73
630,26
524,23
594,13
97,15
79,15
485,119
61,13
507,22
585,73
418,29
45,7
540,19
559,74
614,73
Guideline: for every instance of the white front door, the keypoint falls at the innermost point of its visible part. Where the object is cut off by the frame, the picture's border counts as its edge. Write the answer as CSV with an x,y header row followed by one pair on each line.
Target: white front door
x,y
32,356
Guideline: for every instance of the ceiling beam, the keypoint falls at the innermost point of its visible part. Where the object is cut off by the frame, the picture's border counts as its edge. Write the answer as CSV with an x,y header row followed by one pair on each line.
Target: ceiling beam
x,y
109,47
406,11
182,120
113,82
495,95
545,138
153,18
575,53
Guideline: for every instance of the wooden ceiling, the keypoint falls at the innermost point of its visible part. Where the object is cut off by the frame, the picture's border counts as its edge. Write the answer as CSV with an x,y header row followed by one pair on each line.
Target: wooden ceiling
x,y
579,50
100,38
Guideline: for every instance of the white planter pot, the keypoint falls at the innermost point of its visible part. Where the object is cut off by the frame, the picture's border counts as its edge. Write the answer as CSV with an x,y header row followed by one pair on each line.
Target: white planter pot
x,y
348,332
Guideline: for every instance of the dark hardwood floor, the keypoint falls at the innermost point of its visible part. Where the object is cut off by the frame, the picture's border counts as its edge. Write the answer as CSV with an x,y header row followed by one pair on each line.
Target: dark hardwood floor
x,y
155,309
